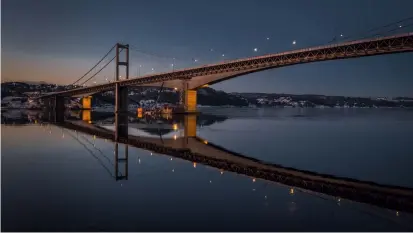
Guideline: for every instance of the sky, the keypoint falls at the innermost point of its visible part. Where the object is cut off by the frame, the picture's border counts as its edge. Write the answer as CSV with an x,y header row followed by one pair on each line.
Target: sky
x,y
57,41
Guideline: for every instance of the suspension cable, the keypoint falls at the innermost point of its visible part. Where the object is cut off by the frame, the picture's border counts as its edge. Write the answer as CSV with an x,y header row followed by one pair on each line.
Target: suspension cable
x,y
101,69
95,65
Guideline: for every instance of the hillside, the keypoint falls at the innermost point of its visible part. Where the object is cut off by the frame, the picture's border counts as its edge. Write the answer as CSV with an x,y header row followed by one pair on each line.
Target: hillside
x,y
211,97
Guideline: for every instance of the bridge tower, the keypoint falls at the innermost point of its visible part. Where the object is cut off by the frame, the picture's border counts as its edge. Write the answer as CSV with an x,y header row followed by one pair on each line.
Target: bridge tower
x,y
121,94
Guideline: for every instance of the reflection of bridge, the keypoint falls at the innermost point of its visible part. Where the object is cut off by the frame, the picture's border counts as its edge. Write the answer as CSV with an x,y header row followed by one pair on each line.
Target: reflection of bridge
x,y
197,150
187,81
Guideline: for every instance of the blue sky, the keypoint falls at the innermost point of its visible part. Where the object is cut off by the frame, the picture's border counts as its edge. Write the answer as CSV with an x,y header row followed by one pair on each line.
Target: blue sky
x,y
58,41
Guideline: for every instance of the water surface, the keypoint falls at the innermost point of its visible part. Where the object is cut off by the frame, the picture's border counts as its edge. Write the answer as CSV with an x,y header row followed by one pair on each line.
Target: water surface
x,y
55,179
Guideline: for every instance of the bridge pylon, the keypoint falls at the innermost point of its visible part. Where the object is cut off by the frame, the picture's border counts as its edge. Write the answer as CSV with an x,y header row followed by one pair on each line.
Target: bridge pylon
x,y
121,93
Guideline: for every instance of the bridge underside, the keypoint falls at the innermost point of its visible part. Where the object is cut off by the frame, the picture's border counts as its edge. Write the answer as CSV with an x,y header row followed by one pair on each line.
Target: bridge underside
x,y
200,81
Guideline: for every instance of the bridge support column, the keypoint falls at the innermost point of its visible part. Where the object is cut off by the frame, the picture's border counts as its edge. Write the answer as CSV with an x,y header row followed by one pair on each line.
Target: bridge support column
x,y
59,108
187,100
121,112
87,102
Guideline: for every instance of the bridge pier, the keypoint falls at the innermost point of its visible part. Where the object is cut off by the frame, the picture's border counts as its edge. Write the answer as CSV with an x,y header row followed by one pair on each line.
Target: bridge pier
x,y
59,108
121,112
187,100
87,102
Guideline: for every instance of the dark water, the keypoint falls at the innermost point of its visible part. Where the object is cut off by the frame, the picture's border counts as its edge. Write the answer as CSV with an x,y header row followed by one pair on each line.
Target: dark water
x,y
56,179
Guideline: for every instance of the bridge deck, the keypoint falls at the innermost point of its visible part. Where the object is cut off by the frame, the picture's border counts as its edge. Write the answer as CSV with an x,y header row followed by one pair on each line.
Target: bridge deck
x,y
360,48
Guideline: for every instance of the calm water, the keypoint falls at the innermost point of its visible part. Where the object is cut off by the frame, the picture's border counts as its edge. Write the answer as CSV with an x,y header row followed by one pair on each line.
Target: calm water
x,y
56,179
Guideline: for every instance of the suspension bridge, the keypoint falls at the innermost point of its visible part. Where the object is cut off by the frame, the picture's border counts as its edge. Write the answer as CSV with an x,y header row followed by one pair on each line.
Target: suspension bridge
x,y
187,81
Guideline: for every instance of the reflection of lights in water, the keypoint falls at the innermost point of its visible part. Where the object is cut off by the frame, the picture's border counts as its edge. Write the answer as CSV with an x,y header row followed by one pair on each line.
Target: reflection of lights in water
x,y
139,161
397,213
106,140
205,141
291,191
94,136
194,165
151,154
175,127
171,159
265,196
63,135
253,190
175,137
222,172
253,180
